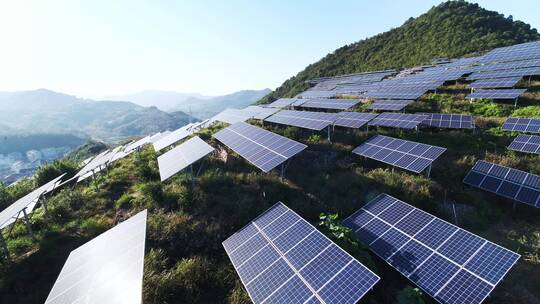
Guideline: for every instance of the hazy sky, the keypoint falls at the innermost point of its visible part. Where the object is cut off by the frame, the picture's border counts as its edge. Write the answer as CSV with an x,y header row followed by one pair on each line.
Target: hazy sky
x,y
109,47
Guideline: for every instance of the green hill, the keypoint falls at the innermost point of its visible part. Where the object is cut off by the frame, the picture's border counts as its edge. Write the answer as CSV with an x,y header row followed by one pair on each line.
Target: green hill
x,y
452,29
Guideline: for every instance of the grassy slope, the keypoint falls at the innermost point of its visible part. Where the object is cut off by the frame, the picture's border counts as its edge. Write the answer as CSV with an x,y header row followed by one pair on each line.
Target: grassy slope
x,y
185,262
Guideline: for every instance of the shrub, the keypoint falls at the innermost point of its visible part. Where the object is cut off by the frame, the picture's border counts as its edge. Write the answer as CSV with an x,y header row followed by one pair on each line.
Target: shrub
x,y
94,226
292,132
530,112
46,173
409,295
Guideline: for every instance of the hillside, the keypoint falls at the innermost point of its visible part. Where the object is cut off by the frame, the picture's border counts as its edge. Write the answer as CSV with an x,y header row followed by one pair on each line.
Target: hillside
x,y
46,111
451,29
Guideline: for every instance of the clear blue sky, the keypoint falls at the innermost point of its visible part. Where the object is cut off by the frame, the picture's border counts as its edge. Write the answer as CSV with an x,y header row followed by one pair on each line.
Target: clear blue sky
x,y
110,47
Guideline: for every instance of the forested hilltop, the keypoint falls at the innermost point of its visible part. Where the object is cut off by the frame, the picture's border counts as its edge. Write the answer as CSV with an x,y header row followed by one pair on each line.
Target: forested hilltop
x,y
451,29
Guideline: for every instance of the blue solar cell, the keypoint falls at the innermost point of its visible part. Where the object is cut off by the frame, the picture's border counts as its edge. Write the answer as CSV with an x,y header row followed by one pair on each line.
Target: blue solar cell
x,y
296,233
294,291
255,264
474,179
528,196
322,268
464,288
389,243
313,300
240,237
379,204
268,281
409,257
372,230
349,286
461,246
434,273
304,119
396,212
306,250
358,219
492,262
522,125
247,249
270,215
435,233
281,224
414,222
491,183
353,119
508,189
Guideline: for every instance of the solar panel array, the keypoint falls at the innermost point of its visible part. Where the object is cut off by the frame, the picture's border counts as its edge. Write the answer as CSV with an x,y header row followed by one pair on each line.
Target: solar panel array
x,y
282,103
232,116
450,264
497,94
317,94
514,52
262,148
139,143
397,120
508,65
257,112
450,121
281,258
303,119
173,137
395,95
338,104
107,269
353,119
508,82
13,212
389,105
526,143
182,156
505,73
511,183
522,125
409,155
97,164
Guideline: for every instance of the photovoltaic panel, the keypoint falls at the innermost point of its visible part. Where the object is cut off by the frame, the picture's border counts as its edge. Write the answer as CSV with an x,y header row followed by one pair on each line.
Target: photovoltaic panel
x,y
353,119
521,51
450,121
508,65
338,104
281,258
497,94
389,105
505,73
257,112
404,94
154,138
171,138
526,143
14,211
409,155
232,116
139,143
508,82
317,94
507,182
397,120
107,269
522,125
182,156
262,148
303,119
283,102
450,264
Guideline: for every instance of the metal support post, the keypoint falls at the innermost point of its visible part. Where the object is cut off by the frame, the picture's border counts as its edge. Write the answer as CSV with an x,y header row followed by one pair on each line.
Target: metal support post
x,y
28,226
329,135
428,171
4,245
192,177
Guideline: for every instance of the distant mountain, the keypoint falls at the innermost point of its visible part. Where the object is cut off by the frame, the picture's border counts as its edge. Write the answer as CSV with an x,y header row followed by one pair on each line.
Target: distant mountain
x,y
197,105
451,29
44,111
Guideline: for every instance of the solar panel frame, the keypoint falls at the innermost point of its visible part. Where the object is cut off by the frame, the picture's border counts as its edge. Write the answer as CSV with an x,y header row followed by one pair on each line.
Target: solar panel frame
x,y
405,154
488,83
427,264
532,71
231,116
389,105
518,124
175,136
282,103
327,103
262,148
257,112
303,119
281,240
526,143
397,120
316,94
108,268
507,182
497,94
182,156
451,121
353,119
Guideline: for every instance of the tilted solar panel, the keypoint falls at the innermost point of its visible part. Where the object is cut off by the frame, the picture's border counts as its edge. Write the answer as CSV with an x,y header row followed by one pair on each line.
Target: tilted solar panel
x,y
522,125
526,143
232,116
139,143
182,156
170,139
505,73
317,94
389,105
497,94
338,104
511,183
450,121
508,82
353,119
514,52
450,264
262,148
281,258
257,112
303,119
508,65
107,269
405,94
282,103
409,155
398,120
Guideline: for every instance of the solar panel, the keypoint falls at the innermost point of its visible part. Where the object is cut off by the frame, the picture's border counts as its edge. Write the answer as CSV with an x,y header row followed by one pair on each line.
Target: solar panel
x,y
497,94
397,120
317,94
526,143
338,104
232,116
450,121
282,103
139,143
508,65
353,119
95,165
154,138
507,182
508,82
450,264
303,119
257,112
281,258
13,212
107,269
409,155
505,73
170,139
182,156
405,94
514,52
522,125
389,105
262,148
